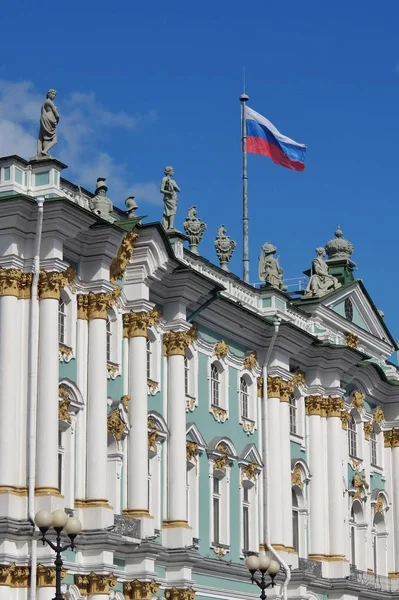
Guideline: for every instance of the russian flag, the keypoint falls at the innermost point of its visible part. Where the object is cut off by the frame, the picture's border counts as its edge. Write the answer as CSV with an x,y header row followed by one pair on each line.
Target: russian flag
x,y
264,138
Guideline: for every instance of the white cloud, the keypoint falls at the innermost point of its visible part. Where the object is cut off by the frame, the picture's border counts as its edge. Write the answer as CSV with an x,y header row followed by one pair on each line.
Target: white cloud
x,y
84,123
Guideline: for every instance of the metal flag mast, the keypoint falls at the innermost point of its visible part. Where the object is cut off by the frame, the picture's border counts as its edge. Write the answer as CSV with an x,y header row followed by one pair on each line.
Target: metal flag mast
x,y
245,246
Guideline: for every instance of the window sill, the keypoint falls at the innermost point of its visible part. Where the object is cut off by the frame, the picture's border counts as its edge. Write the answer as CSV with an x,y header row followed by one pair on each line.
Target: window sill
x,y
191,403
153,387
113,370
65,353
219,414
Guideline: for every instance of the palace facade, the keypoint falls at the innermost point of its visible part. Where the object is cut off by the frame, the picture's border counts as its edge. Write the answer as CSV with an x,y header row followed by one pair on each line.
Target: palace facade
x,y
187,418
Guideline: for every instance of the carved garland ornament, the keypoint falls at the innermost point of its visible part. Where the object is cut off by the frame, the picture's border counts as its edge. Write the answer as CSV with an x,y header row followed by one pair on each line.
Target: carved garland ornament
x,y
176,342
116,425
191,451
250,472
51,283
95,584
135,324
140,590
222,461
122,259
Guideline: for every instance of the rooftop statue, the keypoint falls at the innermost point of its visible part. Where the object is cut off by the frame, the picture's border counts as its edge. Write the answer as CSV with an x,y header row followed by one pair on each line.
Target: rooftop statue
x,y
269,268
131,207
224,247
100,204
169,189
48,125
320,281
194,229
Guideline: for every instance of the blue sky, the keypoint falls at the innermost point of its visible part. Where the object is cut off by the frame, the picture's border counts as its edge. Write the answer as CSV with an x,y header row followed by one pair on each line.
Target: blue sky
x,y
143,85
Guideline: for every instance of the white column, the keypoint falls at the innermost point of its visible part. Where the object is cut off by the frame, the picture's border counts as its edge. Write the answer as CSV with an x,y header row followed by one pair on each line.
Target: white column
x,y
315,408
9,363
395,492
45,593
335,491
82,352
47,407
286,485
275,468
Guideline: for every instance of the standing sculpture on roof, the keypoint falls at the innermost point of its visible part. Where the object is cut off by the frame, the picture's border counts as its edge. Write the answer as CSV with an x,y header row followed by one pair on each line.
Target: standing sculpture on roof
x,y
48,125
100,204
169,189
320,281
269,269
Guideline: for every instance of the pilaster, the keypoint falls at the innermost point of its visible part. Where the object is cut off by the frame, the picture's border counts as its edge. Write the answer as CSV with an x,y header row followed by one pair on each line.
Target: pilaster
x,y
140,590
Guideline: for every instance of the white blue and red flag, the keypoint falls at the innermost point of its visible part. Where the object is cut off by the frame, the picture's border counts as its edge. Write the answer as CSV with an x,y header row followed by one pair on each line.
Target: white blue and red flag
x,y
264,138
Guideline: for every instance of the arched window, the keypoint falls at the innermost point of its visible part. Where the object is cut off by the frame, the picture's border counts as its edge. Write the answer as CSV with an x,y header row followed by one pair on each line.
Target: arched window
x,y
358,537
379,537
295,522
61,321
215,385
109,339
352,437
293,414
244,398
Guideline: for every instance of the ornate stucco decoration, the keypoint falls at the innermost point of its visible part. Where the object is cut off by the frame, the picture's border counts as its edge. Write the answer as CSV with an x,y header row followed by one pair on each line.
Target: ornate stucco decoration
x,y
153,387
122,259
125,402
250,361
296,476
391,438
10,282
335,405
116,426
65,353
250,472
152,434
64,404
286,389
298,378
259,385
378,415
315,405
379,504
248,425
351,340
273,387
191,451
367,428
95,306
14,576
224,247
112,371
51,283
221,349
345,418
175,593
360,484
191,404
219,551
46,576
135,324
219,414
25,286
194,229
140,590
95,584
357,399
223,460
176,342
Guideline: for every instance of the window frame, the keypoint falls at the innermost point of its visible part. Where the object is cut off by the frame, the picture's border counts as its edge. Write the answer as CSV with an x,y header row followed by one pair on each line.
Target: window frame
x,y
62,321
220,410
353,438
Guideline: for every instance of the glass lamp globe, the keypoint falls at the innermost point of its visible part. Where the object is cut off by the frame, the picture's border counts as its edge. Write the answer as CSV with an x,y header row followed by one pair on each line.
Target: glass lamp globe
x,y
264,562
44,519
252,563
73,526
273,568
60,519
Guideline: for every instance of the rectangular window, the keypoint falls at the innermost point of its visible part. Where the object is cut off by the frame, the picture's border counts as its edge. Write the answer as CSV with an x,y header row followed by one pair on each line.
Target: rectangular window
x,y
149,353
186,376
18,175
216,510
6,174
42,178
373,449
245,527
352,437
61,322
293,414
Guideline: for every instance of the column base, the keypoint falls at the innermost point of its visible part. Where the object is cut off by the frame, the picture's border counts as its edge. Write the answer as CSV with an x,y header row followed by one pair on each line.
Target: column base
x,y
94,514
13,502
287,553
146,520
49,501
176,534
334,565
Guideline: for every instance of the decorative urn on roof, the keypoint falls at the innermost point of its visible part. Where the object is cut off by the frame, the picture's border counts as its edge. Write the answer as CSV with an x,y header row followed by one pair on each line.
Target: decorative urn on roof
x,y
339,247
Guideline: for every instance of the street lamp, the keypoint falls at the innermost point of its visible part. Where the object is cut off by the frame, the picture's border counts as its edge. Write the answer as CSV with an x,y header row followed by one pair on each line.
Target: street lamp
x,y
263,564
59,520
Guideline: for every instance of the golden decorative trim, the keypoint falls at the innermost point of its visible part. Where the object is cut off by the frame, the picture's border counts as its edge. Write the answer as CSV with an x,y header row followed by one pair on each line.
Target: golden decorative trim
x,y
176,342
63,411
393,575
286,389
315,405
273,387
360,484
48,491
65,352
152,386
191,451
296,476
221,349
179,594
112,370
175,524
219,414
345,418
351,340
95,503
357,399
137,513
15,576
250,472
368,429
95,306
262,548
259,385
327,557
10,282
135,324
379,505
51,283
95,584
116,426
46,576
335,405
140,590
152,434
83,304
13,490
298,378
222,461
378,415
25,286
122,259
391,438
190,404
250,361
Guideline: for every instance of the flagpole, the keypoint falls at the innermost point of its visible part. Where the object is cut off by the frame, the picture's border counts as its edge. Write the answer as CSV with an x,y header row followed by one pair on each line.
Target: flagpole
x,y
245,247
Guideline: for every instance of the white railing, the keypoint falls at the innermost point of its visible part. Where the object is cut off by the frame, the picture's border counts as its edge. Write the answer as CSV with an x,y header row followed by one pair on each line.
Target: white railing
x,y
375,582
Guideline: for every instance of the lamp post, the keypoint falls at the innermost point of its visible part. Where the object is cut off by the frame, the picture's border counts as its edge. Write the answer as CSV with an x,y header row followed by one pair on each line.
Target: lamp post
x,y
264,565
59,520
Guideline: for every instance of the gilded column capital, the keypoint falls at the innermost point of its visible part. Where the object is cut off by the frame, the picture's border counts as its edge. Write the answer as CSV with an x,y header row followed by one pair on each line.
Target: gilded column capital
x,y
51,283
83,305
286,389
176,342
315,405
122,259
175,593
391,438
10,282
25,286
46,576
98,304
135,324
273,387
335,405
14,575
95,584
345,418
140,590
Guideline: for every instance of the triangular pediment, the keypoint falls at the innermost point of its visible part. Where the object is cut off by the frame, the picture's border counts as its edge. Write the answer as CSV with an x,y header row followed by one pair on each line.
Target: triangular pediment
x,y
193,434
251,454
